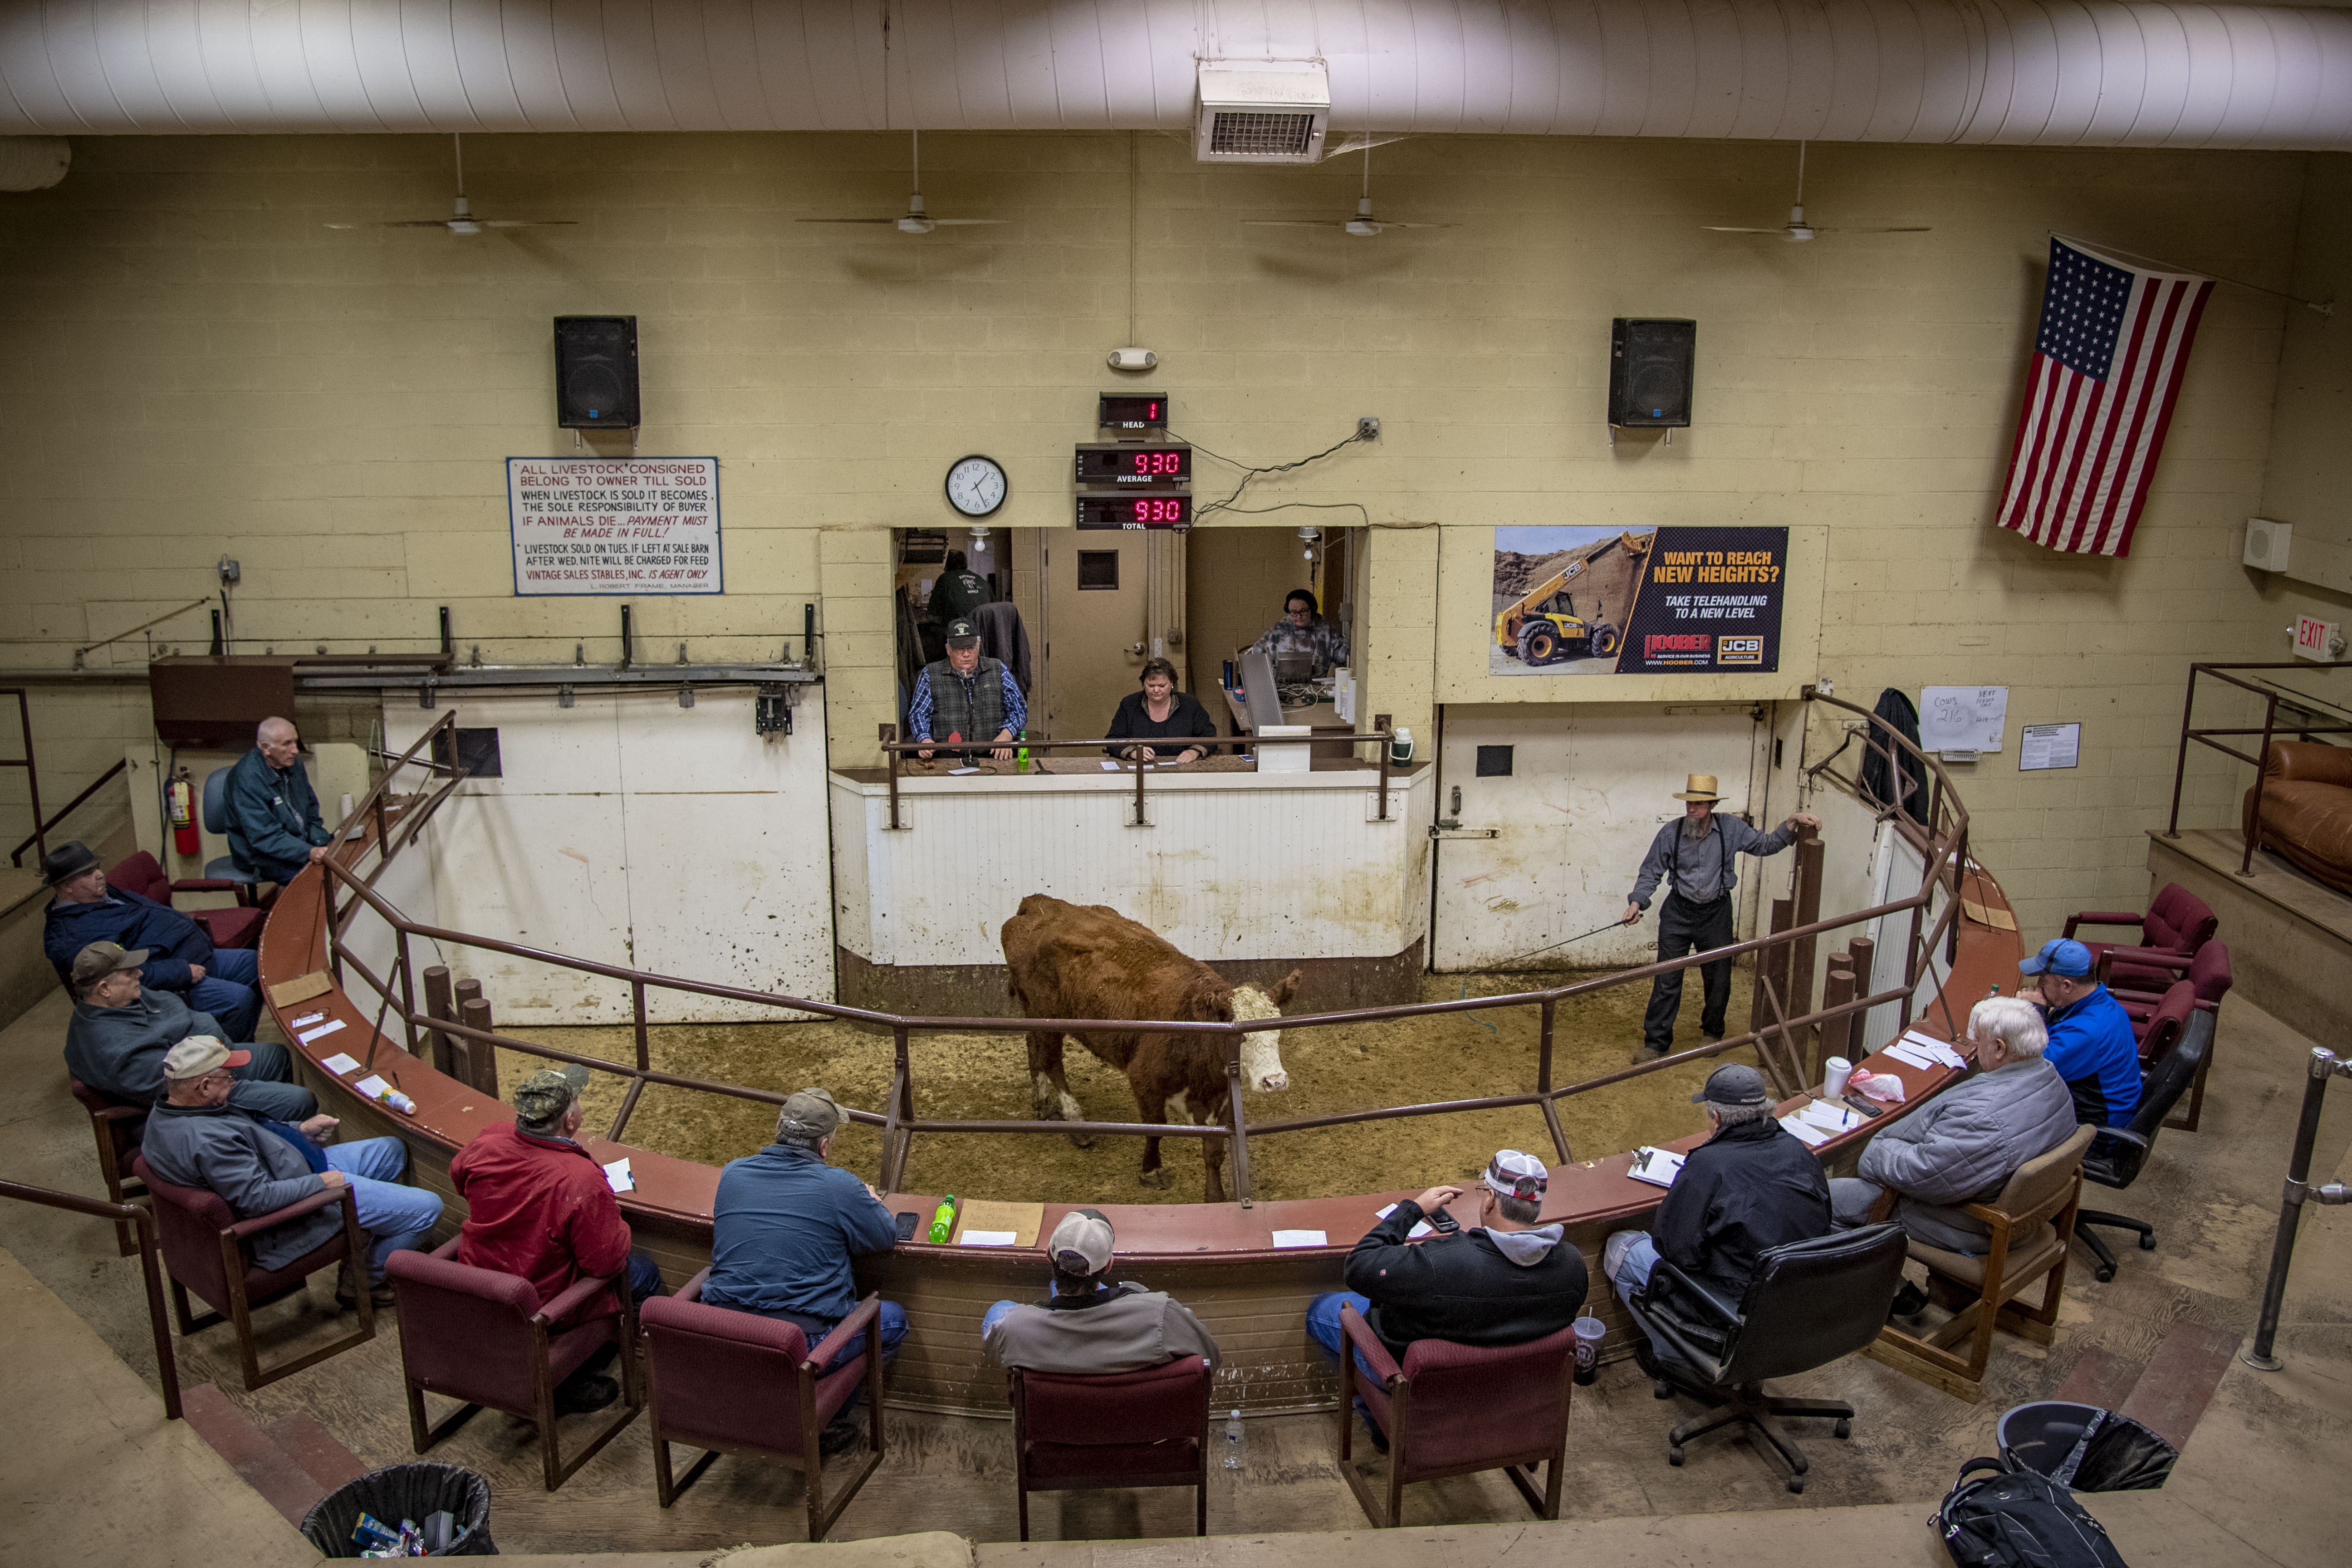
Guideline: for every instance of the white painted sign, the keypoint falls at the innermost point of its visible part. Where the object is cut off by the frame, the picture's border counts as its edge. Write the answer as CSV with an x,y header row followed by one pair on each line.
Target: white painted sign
x,y
615,525
1962,718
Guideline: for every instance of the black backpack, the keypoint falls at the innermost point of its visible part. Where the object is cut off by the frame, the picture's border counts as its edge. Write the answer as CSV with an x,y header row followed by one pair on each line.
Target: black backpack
x,y
2016,1519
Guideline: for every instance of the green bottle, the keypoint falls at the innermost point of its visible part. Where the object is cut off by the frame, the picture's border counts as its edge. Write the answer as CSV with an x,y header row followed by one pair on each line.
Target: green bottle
x,y
943,1220
1020,757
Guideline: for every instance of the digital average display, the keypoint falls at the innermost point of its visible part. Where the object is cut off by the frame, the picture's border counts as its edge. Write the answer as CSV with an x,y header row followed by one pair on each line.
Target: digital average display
x,y
1131,465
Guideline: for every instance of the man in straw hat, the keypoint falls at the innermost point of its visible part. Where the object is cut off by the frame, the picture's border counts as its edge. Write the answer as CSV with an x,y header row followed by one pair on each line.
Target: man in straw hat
x,y
1696,851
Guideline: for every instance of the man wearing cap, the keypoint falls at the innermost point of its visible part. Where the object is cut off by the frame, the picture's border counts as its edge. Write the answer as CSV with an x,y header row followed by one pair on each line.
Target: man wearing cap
x,y
1696,851
784,1228
274,825
121,1032
179,955
966,696
1087,1323
1751,1186
195,1138
2090,1042
539,1208
1503,1280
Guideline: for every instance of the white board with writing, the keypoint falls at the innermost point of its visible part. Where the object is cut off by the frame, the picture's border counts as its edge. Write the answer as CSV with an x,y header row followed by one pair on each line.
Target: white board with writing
x,y
1962,718
615,525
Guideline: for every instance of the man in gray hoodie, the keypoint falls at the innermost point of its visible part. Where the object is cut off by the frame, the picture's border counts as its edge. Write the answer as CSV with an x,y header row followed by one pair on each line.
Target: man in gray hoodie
x,y
1962,1146
197,1139
121,1030
1088,1324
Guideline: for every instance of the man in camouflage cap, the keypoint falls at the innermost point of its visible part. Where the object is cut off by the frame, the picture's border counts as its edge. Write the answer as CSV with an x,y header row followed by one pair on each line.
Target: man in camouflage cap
x,y
540,1208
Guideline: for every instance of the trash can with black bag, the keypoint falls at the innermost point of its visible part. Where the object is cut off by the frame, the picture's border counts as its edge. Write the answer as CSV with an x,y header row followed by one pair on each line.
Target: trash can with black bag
x,y
2083,1447
397,1492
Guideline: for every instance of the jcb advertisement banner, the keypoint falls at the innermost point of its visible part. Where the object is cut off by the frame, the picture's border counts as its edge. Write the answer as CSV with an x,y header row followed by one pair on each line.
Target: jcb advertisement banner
x,y
1654,601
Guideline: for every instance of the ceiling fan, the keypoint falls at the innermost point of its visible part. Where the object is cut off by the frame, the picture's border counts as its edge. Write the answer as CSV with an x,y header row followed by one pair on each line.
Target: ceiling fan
x,y
1364,224
461,218
1796,231
916,219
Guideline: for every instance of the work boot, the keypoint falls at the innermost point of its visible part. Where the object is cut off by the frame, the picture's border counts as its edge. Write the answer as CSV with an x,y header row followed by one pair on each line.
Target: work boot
x,y
839,1439
577,1396
1644,1052
1909,1302
1706,1039
347,1296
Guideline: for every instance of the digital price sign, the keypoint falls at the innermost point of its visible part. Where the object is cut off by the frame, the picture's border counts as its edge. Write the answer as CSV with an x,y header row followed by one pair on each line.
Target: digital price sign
x,y
1126,464
1131,411
1139,509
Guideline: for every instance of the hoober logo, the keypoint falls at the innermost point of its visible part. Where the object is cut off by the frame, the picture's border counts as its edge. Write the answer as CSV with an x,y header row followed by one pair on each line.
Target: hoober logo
x,y
1739,650
1671,644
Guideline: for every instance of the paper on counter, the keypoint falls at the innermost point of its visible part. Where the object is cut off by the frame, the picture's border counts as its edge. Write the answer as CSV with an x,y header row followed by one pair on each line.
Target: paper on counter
x,y
372,1086
1804,1130
1935,1048
1419,1228
1659,1167
1110,767
1830,1116
305,1020
988,1239
1912,1055
963,770
340,1063
307,1036
619,1177
1300,1238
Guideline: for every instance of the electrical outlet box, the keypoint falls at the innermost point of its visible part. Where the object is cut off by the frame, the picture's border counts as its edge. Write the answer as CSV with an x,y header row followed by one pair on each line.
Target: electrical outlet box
x,y
1367,429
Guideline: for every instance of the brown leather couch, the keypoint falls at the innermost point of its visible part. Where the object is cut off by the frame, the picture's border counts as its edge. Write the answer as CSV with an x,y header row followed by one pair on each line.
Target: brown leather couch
x,y
2306,809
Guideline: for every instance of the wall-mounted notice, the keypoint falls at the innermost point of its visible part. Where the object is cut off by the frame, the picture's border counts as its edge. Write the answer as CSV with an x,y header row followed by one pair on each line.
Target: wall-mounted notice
x,y
2040,746
615,525
1962,718
1647,600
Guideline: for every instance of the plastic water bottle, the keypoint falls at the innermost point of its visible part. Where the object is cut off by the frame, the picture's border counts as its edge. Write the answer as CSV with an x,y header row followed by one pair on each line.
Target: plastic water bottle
x,y
400,1102
943,1220
1020,757
1233,1440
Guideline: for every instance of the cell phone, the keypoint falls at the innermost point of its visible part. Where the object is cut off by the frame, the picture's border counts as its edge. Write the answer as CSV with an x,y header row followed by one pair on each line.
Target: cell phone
x,y
1443,1222
907,1221
1862,1105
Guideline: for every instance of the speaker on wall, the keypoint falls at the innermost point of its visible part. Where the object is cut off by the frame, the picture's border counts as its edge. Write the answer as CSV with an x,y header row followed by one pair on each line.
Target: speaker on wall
x,y
596,373
1650,372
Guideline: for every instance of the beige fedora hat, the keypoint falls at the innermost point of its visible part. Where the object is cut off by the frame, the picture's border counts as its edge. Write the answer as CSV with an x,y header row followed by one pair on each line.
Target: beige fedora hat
x,y
1700,787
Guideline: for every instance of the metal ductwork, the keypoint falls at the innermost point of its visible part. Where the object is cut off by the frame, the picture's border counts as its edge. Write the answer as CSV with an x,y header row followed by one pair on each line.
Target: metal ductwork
x,y
2059,73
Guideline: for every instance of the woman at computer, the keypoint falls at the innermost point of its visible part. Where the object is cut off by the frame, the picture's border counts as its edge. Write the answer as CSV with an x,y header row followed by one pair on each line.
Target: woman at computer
x,y
1302,630
1149,719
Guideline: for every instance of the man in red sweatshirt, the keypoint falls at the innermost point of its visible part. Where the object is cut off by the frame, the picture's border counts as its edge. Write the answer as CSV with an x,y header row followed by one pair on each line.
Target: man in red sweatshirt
x,y
540,1208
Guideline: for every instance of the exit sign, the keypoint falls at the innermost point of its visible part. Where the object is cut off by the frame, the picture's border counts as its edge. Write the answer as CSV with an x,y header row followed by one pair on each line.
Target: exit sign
x,y
2317,639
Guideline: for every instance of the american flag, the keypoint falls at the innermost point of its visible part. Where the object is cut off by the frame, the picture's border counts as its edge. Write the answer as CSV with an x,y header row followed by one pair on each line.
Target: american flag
x,y
2098,396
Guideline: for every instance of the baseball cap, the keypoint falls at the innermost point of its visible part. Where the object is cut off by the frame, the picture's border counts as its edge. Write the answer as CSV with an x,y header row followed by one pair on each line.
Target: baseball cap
x,y
100,959
1734,1085
962,631
547,1094
1082,1243
198,1055
810,1113
1513,1175
2061,956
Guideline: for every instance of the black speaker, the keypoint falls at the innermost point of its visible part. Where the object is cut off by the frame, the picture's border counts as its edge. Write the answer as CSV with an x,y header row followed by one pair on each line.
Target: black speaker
x,y
596,373
1650,372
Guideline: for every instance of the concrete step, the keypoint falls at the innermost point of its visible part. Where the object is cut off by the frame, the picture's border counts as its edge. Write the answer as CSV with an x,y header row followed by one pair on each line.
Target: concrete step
x,y
292,1464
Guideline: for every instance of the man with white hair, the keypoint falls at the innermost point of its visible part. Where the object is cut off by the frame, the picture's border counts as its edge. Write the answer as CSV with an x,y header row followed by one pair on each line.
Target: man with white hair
x,y
273,813
1089,1323
1962,1146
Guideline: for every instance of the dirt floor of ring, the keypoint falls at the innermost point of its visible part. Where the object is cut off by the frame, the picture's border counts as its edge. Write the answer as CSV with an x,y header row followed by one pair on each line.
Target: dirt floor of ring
x,y
1356,1067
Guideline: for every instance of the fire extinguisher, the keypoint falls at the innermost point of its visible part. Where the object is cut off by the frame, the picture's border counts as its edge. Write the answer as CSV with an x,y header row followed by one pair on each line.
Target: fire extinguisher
x,y
181,795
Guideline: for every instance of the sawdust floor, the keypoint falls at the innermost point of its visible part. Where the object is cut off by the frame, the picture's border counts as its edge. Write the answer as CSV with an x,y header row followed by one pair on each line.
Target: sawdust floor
x,y
985,1076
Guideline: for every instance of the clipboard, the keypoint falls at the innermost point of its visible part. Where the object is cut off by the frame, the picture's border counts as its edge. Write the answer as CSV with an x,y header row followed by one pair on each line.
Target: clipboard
x,y
1985,915
301,988
1023,1220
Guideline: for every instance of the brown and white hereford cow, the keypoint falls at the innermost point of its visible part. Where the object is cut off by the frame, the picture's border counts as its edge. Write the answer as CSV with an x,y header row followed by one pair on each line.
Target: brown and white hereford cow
x,y
1088,961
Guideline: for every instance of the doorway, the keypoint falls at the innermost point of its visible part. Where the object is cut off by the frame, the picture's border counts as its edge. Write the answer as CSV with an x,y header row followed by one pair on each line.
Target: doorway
x,y
1111,598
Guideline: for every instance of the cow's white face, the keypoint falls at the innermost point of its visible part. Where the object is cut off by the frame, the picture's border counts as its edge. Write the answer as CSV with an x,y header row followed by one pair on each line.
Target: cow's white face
x,y
1261,1053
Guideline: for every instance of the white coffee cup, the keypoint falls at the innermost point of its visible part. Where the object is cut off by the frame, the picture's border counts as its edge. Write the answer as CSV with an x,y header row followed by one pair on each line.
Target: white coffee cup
x,y
1838,1069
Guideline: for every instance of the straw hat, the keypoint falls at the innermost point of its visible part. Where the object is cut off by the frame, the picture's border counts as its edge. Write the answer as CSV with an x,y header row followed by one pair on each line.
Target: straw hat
x,y
1701,788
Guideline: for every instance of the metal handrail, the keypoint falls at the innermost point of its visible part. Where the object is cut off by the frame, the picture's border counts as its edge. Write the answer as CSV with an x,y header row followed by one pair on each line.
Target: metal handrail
x,y
2271,696
32,772
150,1264
1942,839
40,829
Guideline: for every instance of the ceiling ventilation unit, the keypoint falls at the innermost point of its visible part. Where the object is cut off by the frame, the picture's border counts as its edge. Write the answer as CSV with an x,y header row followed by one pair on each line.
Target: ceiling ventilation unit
x,y
1262,112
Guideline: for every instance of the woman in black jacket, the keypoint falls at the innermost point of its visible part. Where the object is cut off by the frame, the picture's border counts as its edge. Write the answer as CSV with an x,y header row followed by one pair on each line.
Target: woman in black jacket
x,y
1160,712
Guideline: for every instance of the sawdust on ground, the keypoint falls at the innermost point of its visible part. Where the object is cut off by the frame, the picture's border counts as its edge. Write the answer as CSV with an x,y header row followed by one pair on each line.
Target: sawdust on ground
x,y
984,1076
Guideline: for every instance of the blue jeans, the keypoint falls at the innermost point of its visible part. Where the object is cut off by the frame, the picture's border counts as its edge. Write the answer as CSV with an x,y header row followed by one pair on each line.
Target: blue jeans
x,y
644,1278
1632,1273
395,1215
891,1319
227,992
265,1084
1323,1328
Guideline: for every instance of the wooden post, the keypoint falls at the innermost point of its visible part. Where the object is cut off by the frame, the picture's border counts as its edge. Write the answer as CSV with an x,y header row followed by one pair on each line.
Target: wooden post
x,y
1863,954
1807,895
1834,1036
437,1005
481,1056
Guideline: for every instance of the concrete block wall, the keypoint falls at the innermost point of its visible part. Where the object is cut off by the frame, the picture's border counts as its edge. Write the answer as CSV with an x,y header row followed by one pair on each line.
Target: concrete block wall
x,y
193,365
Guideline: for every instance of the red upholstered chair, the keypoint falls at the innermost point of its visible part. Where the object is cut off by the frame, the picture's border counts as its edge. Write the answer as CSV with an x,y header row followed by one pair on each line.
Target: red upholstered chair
x,y
2208,976
209,1251
117,1125
1453,1408
1113,1431
2177,922
736,1383
239,927
483,1337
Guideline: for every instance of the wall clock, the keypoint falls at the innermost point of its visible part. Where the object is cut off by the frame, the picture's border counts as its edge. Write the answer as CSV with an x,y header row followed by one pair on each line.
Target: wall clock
x,y
975,485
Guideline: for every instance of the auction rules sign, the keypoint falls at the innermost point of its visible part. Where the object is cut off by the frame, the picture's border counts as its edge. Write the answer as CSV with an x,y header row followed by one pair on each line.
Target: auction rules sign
x,y
615,525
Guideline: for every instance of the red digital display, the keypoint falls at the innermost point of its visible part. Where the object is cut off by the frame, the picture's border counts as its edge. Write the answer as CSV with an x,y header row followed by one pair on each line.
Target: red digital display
x,y
1131,411
1135,511
1126,464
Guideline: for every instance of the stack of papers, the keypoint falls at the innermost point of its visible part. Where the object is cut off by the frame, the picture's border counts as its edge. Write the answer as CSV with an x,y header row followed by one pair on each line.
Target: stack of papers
x,y
372,1086
618,1176
307,1036
1659,1167
1830,1116
1419,1228
1300,1238
988,1239
1804,1130
339,1064
1921,1051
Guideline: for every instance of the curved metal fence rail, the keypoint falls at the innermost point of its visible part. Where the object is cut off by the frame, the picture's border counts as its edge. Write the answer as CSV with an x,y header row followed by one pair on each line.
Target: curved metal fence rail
x,y
1779,1035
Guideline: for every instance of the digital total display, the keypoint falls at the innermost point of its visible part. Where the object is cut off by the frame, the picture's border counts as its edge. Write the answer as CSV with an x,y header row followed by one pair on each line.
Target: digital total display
x,y
1131,465
1136,510
1131,411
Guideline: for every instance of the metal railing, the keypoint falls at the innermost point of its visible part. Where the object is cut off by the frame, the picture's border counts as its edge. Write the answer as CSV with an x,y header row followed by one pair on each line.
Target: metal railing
x,y
40,829
150,1264
2272,695
32,772
1784,1023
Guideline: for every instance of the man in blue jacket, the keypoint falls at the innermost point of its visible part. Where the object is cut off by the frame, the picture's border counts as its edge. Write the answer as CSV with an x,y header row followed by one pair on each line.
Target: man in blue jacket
x,y
2090,1042
273,813
783,1233
179,955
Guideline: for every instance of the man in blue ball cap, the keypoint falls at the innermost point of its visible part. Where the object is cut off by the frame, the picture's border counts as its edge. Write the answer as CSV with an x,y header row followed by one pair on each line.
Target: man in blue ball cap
x,y
2090,1042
